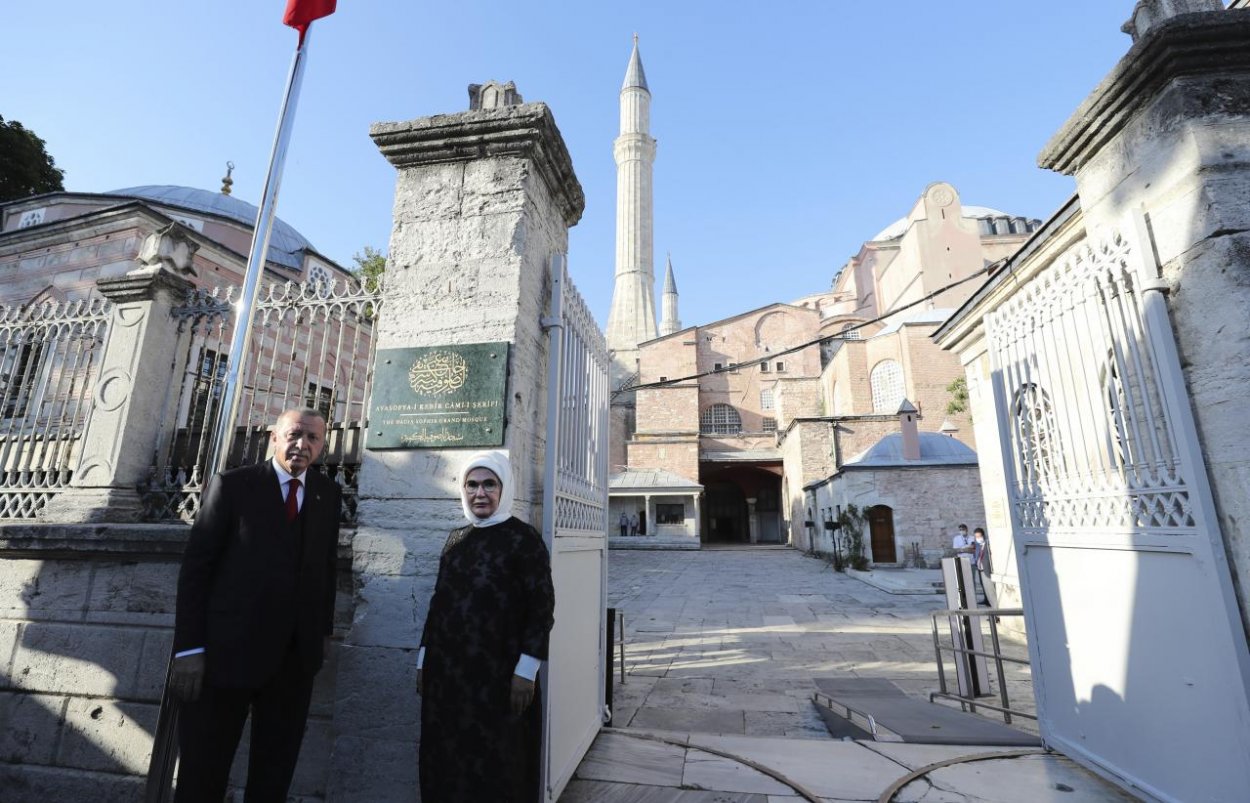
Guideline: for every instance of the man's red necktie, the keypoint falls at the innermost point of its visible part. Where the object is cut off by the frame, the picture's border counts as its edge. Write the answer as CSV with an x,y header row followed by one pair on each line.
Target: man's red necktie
x,y
292,501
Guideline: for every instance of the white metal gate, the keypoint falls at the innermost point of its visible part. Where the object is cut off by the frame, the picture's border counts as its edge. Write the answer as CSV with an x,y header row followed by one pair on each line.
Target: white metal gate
x,y
1140,663
575,527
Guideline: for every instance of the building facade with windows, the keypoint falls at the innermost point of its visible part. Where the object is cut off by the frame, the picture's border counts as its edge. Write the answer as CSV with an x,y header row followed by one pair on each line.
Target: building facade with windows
x,y
764,408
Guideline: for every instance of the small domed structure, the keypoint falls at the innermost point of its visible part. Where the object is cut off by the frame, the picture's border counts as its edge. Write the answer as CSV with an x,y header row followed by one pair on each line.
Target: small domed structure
x,y
285,243
935,450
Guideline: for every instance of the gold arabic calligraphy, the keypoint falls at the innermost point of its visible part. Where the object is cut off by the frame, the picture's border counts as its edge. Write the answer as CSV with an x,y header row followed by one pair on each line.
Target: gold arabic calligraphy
x,y
437,373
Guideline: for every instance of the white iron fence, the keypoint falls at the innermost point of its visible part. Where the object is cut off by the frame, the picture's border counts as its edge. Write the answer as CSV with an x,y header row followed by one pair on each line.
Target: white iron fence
x,y
575,527
312,346
49,361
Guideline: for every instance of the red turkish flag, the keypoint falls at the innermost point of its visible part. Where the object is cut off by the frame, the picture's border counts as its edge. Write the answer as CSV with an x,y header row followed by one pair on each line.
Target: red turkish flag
x,y
301,13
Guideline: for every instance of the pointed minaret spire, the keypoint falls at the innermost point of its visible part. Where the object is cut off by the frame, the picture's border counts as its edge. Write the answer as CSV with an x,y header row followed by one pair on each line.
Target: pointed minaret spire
x,y
632,318
635,76
669,322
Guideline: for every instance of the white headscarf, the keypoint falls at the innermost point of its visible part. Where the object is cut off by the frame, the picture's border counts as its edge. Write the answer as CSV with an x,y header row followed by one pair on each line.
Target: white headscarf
x,y
496,460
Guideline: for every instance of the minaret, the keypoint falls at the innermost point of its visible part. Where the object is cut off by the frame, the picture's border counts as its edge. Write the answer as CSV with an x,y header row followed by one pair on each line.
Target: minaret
x,y
632,319
669,322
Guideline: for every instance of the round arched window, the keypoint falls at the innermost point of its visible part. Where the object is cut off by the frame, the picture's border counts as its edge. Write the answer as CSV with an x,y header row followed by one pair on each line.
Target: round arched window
x,y
720,419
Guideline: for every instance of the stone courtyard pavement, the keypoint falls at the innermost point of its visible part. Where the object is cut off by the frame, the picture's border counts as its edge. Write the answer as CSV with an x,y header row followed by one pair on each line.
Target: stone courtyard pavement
x,y
722,646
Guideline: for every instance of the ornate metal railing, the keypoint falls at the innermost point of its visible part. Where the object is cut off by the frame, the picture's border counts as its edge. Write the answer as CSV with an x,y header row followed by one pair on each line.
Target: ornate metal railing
x,y
312,346
49,362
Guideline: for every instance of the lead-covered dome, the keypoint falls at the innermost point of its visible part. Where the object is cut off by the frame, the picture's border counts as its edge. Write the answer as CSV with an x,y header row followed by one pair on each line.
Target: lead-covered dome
x,y
285,243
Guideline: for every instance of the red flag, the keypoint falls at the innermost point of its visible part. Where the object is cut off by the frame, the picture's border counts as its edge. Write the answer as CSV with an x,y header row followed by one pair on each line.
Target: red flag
x,y
301,13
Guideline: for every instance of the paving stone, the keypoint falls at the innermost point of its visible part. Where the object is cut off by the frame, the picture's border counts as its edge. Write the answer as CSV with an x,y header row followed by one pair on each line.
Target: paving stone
x,y
29,724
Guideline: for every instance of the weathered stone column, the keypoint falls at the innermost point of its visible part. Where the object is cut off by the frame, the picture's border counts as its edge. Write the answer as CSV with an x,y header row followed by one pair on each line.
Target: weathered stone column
x,y
1168,133
130,396
483,200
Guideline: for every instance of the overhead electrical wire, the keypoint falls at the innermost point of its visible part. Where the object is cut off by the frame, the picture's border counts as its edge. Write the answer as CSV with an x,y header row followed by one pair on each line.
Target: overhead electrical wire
x,y
818,341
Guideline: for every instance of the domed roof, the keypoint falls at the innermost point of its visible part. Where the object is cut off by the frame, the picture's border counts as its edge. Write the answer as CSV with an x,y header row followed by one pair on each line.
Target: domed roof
x,y
935,450
285,243
899,227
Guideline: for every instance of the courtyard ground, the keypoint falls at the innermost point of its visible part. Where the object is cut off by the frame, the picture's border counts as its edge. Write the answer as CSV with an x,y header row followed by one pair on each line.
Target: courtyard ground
x,y
722,646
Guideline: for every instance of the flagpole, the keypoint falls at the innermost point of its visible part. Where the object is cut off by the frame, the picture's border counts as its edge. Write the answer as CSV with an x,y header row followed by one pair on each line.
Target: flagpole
x,y
241,340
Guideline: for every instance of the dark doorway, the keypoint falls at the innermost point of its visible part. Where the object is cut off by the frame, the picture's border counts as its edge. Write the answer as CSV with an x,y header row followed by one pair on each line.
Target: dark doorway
x,y
642,522
881,533
726,513
768,512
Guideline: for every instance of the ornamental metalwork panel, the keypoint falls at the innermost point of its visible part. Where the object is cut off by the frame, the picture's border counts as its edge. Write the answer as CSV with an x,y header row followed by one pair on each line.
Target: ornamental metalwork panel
x,y
50,358
582,394
312,346
1092,444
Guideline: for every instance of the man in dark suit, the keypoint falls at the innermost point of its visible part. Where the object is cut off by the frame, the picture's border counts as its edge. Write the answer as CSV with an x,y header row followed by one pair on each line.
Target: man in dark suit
x,y
255,604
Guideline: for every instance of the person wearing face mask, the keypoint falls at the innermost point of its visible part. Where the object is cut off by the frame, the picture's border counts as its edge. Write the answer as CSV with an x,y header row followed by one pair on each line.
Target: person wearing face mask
x,y
485,637
983,568
255,612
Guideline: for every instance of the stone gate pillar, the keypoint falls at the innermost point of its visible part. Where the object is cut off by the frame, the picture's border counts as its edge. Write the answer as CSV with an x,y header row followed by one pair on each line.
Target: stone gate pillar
x,y
130,396
482,201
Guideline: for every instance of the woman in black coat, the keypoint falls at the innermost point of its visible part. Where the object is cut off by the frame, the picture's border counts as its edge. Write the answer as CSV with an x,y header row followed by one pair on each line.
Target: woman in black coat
x,y
484,640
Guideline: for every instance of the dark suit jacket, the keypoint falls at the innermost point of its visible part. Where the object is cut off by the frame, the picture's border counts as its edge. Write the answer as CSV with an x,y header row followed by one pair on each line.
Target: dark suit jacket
x,y
253,586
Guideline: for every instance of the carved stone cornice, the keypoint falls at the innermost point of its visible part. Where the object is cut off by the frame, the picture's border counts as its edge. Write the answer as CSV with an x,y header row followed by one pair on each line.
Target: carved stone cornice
x,y
527,131
1210,44
142,285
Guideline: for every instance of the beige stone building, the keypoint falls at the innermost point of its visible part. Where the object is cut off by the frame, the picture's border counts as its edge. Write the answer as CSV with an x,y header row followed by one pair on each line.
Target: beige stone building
x,y
764,410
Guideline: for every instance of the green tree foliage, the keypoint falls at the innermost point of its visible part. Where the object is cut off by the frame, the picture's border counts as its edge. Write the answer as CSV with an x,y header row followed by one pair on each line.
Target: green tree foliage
x,y
26,168
370,265
851,523
958,389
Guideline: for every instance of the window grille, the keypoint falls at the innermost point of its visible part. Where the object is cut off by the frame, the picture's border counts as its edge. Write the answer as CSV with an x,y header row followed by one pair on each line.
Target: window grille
x,y
770,424
670,513
764,367
886,381
781,366
720,419
766,399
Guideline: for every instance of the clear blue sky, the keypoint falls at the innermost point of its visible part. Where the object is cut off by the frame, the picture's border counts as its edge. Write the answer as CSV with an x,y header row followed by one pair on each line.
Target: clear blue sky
x,y
789,132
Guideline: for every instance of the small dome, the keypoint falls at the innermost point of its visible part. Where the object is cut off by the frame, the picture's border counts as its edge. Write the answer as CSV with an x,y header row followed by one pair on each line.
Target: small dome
x,y
935,450
285,243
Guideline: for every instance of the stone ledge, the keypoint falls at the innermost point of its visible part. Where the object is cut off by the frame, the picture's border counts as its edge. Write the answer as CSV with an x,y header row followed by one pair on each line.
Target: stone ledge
x,y
651,542
111,542
1203,44
527,131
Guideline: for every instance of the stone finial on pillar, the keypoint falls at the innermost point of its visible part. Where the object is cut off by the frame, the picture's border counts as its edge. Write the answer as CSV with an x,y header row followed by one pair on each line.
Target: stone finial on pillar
x,y
1148,14
493,95
169,248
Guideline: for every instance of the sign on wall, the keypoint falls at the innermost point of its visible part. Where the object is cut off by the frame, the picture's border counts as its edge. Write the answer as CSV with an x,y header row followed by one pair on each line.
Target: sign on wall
x,y
439,397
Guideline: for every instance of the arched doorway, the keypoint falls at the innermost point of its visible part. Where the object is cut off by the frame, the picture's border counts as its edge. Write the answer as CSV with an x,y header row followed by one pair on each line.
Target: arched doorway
x,y
726,513
881,534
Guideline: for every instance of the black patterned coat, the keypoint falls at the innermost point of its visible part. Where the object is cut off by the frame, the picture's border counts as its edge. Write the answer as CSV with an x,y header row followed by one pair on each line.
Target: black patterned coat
x,y
492,602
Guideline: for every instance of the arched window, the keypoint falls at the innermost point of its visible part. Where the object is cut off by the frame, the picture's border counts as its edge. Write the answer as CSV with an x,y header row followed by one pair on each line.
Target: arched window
x,y
886,381
720,419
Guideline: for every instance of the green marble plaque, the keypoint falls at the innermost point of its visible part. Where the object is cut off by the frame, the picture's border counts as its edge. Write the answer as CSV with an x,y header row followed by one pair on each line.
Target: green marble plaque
x,y
439,397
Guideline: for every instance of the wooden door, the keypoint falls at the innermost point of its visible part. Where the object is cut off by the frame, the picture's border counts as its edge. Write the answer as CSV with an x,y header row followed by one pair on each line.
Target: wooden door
x,y
881,534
